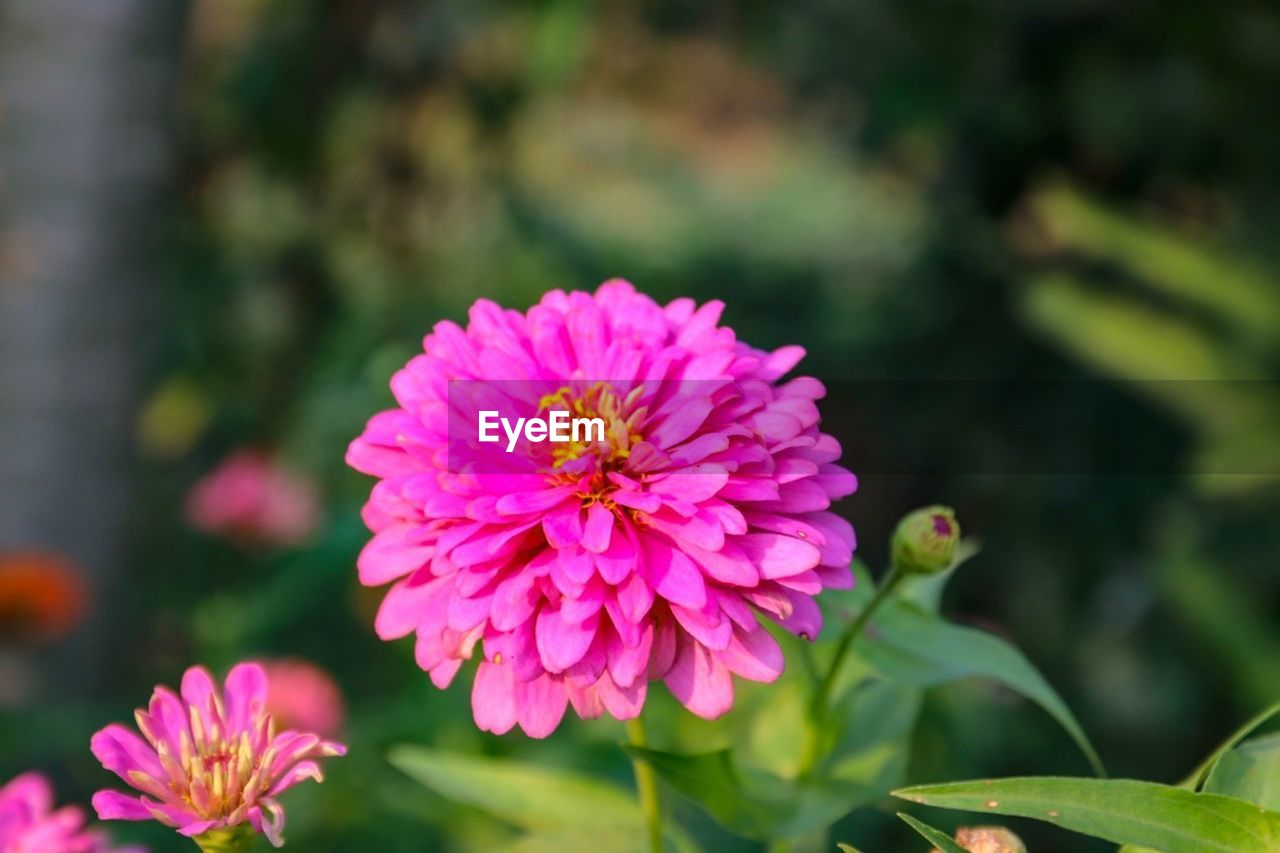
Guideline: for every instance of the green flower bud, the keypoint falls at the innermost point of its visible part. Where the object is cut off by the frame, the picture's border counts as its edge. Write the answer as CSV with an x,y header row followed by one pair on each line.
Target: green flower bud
x,y
925,541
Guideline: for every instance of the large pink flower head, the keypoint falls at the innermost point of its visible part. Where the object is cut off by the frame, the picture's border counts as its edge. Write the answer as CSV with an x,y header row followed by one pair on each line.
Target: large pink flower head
x,y
29,823
209,759
581,570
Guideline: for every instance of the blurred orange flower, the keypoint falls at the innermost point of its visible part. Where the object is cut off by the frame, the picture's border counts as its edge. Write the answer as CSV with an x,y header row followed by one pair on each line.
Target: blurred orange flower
x,y
42,596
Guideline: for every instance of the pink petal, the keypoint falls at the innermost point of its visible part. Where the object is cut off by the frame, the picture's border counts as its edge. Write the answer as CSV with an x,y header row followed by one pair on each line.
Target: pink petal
x,y
519,503
707,626
540,705
198,687
113,805
622,703
700,682
391,553
121,751
597,531
407,604
778,556
628,664
562,644
245,695
30,789
493,699
673,575
514,601
299,772
754,655
563,528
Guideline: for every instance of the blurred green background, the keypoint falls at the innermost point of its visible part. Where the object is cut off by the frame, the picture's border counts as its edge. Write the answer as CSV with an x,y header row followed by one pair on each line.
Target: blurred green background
x,y
225,224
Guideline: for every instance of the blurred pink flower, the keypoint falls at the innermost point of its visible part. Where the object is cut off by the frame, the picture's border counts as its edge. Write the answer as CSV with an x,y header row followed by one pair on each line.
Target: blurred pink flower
x,y
211,759
28,823
585,570
302,696
252,500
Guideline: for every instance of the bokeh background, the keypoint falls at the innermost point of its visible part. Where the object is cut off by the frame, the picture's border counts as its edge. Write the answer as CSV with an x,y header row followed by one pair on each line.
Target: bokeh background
x,y
1030,246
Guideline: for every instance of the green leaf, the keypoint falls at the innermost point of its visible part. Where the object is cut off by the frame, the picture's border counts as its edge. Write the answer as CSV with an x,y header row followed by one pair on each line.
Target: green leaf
x,y
873,740
1250,772
936,837
847,848
907,642
1198,776
753,804
916,647
1203,275
613,839
529,796
1144,814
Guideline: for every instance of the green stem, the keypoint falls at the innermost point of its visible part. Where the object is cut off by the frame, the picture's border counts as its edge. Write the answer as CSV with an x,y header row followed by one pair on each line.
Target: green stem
x,y
646,785
235,839
820,707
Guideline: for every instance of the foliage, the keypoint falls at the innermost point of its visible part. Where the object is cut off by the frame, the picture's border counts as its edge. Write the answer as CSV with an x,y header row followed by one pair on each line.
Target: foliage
x,y
1030,249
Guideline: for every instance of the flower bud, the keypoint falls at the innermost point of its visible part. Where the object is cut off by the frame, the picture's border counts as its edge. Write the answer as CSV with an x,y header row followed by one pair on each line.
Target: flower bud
x,y
925,541
988,839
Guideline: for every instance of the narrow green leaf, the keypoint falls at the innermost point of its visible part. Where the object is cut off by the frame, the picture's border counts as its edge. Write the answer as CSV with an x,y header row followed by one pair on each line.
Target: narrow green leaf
x,y
1201,274
752,804
1164,817
529,796
1198,776
910,644
914,646
847,848
613,839
936,837
1250,772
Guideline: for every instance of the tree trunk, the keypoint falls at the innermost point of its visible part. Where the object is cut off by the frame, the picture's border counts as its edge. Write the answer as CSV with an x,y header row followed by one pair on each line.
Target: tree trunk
x,y
85,111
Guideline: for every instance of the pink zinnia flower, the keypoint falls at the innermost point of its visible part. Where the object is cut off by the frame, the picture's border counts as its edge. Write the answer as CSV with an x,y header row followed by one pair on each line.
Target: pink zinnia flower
x,y
211,759
251,499
28,823
585,570
302,696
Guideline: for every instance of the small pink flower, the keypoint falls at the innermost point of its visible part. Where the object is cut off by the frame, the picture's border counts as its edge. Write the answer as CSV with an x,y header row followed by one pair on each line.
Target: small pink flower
x,y
28,823
210,760
252,500
301,695
579,573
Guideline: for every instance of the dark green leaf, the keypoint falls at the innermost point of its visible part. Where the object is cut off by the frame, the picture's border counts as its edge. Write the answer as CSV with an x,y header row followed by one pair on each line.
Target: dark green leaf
x,y
1198,776
1164,817
529,796
936,837
1250,772
911,645
753,804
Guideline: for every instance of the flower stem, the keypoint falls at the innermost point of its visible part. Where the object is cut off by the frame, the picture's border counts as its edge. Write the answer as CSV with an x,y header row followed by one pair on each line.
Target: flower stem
x,y
235,839
820,706
646,785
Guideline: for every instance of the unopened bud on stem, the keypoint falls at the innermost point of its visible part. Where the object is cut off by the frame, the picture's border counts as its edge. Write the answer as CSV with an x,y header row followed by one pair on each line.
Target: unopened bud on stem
x,y
988,839
925,541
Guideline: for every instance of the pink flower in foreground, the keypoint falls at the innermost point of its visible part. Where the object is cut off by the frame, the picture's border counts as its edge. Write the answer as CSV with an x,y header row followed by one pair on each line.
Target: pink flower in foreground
x,y
251,499
301,695
28,823
585,570
211,759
